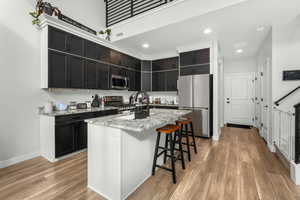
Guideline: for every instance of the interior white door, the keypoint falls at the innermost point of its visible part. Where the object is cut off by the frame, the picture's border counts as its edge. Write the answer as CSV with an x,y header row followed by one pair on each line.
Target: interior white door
x,y
239,98
265,98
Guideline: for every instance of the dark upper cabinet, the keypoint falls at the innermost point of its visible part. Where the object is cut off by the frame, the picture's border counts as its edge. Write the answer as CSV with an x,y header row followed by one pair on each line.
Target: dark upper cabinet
x,y
201,56
64,139
165,64
103,53
58,73
91,75
146,81
138,81
171,78
91,50
75,45
146,66
118,71
115,57
193,70
103,76
57,39
158,81
75,72
132,80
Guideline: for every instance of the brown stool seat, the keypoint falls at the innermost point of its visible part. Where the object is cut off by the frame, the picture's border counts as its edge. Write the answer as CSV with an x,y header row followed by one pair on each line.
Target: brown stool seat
x,y
168,129
184,121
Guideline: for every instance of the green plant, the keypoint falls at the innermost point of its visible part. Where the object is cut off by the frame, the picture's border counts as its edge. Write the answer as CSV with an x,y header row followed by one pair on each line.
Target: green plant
x,y
106,32
36,20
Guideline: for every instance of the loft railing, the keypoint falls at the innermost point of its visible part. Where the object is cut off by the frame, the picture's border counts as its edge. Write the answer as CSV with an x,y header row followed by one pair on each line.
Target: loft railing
x,y
284,132
120,10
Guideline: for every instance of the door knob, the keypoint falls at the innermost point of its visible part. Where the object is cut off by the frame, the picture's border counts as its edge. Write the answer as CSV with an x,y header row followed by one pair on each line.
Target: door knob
x,y
228,102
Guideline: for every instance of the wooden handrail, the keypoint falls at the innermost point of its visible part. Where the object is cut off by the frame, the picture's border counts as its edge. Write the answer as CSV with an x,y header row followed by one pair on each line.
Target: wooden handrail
x,y
285,96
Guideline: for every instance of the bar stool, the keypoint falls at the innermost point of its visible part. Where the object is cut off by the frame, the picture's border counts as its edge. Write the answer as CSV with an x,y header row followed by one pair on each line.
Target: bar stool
x,y
184,123
168,130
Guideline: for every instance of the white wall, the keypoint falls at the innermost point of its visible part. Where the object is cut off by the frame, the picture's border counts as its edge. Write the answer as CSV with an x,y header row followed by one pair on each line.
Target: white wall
x,y
240,65
286,56
20,73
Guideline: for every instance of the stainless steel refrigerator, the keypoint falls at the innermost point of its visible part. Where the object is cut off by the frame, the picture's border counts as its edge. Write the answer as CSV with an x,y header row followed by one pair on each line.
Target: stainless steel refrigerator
x,y
195,93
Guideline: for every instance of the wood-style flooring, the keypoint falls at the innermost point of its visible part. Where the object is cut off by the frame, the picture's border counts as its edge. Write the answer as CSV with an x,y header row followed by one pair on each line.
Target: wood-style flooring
x,y
238,167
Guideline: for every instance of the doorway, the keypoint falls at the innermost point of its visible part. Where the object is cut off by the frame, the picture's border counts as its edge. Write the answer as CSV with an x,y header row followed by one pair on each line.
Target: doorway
x,y
239,98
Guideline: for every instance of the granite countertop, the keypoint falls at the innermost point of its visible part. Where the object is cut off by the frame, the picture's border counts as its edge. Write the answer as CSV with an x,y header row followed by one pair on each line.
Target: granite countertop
x,y
126,122
78,111
166,105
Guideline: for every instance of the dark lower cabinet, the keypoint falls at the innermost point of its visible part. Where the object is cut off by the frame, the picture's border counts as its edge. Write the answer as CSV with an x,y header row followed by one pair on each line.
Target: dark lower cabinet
x,y
71,132
81,135
58,73
64,139
75,72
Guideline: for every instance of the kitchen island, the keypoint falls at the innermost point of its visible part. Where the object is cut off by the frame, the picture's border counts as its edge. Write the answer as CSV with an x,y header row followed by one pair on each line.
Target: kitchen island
x,y
121,149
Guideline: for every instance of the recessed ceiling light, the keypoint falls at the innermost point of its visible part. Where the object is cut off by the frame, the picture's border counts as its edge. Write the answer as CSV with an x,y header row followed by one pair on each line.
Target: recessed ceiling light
x,y
207,31
239,51
260,28
146,45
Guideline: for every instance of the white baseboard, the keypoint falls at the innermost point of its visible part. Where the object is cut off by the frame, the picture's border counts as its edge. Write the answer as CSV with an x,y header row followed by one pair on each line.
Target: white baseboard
x,y
18,159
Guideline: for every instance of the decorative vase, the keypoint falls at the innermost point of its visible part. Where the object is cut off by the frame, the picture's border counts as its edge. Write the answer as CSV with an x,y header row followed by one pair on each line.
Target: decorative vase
x,y
48,9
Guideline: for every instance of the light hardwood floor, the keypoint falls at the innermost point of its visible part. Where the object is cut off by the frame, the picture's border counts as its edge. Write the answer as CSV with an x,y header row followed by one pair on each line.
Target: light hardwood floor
x,y
239,166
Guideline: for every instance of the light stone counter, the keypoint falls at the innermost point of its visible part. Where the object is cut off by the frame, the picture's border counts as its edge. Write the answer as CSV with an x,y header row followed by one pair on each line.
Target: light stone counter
x,y
127,122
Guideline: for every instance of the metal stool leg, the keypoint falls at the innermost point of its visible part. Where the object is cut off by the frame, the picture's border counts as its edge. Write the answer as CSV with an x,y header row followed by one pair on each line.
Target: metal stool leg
x,y
166,146
155,154
193,136
188,142
172,158
181,150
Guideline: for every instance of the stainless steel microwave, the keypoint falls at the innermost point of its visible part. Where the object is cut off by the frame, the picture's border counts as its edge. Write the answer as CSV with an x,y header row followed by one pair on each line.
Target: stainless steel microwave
x,y
119,82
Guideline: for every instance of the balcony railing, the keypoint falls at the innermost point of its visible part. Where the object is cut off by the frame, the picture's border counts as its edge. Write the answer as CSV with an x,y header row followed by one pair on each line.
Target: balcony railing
x,y
120,10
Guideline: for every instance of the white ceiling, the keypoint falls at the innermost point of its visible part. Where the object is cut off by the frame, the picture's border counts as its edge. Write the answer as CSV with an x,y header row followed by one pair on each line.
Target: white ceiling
x,y
234,27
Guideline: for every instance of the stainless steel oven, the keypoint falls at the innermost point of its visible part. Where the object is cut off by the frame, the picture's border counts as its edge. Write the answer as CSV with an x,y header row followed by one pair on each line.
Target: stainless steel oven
x,y
119,82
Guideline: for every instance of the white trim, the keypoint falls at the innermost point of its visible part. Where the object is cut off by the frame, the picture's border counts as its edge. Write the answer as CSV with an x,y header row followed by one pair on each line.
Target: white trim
x,y
18,159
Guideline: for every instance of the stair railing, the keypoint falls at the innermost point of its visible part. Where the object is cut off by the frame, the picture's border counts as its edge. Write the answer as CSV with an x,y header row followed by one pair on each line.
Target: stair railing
x,y
284,132
285,96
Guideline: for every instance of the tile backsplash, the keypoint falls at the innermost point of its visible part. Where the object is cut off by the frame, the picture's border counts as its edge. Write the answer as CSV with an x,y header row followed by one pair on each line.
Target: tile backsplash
x,y
65,96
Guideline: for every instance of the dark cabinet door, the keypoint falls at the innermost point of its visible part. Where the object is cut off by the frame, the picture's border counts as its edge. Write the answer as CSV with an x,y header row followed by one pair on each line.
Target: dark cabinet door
x,y
91,50
146,81
131,79
57,75
138,81
91,74
81,135
75,72
158,81
193,70
57,39
115,57
103,76
75,45
201,56
64,139
171,80
103,53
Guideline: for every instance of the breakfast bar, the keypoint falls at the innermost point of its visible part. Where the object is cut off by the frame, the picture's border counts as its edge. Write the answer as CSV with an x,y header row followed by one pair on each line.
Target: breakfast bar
x,y
121,149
